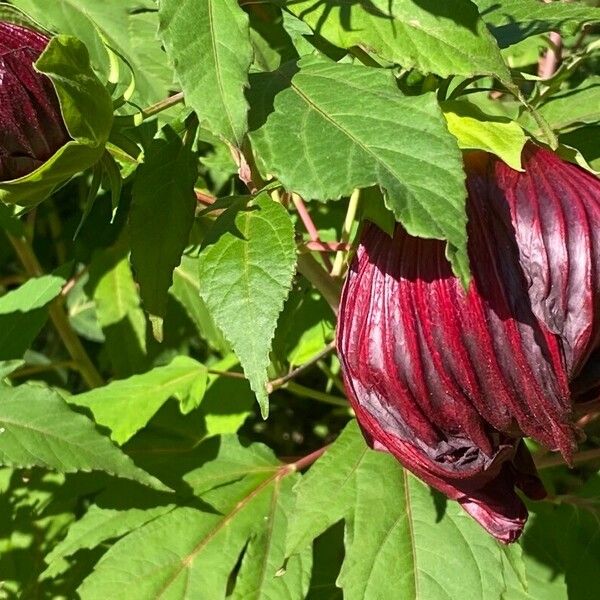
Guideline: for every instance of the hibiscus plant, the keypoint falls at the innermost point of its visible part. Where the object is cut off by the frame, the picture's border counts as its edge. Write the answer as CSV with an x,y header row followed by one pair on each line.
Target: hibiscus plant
x,y
300,299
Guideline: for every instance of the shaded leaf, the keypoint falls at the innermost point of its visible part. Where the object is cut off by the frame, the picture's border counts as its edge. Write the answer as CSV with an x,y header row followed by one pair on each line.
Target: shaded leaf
x,y
34,293
162,213
577,106
23,314
37,428
119,313
186,289
124,27
119,510
513,20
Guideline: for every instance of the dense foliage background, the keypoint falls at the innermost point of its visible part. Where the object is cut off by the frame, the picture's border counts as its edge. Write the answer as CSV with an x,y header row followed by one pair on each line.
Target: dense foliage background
x,y
150,300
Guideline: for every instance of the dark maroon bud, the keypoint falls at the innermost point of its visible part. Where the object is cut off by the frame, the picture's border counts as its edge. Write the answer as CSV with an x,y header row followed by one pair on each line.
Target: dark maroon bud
x,y
555,212
31,125
448,381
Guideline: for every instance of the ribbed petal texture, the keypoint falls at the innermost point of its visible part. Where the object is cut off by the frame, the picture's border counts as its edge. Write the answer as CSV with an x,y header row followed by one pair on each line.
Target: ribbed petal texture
x,y
449,381
31,124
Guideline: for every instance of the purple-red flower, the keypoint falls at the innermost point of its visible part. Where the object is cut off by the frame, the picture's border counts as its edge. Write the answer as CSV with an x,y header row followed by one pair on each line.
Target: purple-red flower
x,y
450,381
31,125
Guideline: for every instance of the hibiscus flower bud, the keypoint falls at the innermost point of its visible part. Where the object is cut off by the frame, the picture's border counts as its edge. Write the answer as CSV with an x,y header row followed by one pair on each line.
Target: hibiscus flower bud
x,y
32,128
449,380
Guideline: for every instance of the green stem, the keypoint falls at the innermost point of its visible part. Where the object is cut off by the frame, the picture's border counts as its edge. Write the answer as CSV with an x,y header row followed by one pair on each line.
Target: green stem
x,y
154,109
554,460
305,392
329,287
338,263
58,316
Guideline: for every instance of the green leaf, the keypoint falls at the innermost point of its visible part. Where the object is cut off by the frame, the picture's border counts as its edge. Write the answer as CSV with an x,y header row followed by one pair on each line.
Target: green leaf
x,y
330,133
87,111
162,213
328,555
435,37
37,428
34,293
577,106
246,270
23,314
261,575
9,221
119,510
208,43
513,20
82,312
119,313
305,327
426,548
475,130
190,553
9,366
561,549
186,290
127,26
587,141
126,405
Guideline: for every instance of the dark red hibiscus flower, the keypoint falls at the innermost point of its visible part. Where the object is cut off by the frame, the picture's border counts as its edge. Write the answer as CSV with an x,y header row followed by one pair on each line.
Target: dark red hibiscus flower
x,y
31,125
450,381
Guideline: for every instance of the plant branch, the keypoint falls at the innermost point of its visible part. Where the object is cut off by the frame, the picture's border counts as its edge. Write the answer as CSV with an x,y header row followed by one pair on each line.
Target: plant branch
x,y
338,264
58,317
554,460
162,105
35,369
328,286
281,381
549,62
308,460
306,392
327,246
309,225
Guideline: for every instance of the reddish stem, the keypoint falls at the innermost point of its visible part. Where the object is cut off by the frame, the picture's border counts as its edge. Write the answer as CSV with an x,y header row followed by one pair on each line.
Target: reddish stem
x,y
301,463
309,225
327,246
204,198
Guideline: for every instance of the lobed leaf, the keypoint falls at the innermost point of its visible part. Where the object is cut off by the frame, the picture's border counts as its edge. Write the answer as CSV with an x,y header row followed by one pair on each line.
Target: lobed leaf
x,y
427,541
191,553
